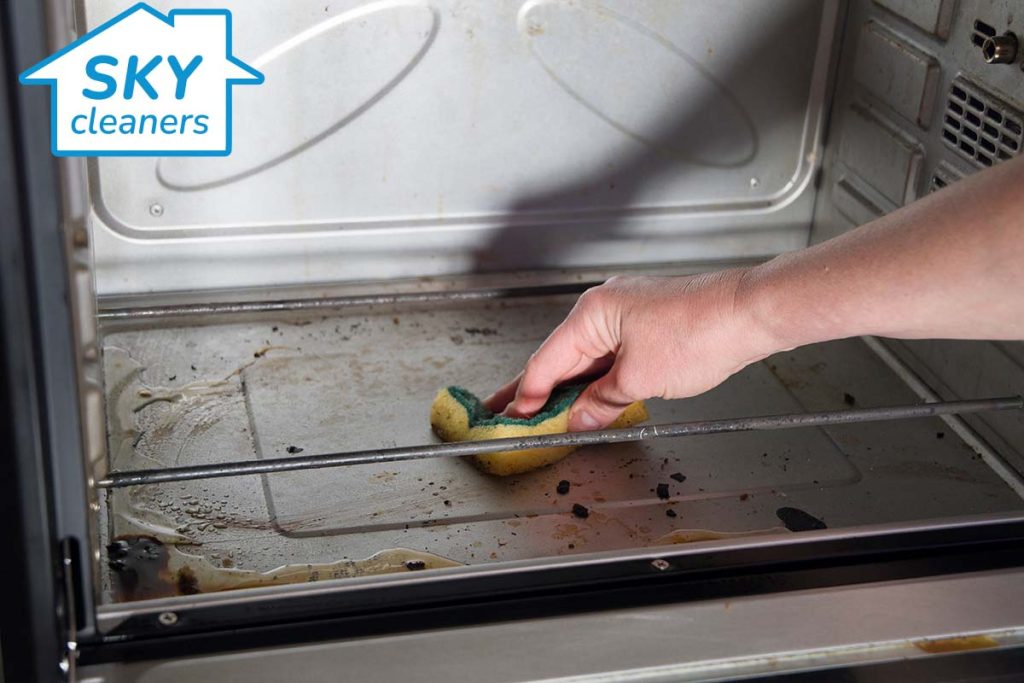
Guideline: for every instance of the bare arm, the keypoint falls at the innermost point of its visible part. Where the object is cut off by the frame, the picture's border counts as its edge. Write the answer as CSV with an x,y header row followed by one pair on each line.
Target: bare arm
x,y
948,266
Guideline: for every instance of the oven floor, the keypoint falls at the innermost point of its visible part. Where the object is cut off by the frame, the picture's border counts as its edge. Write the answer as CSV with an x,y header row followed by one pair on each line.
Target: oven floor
x,y
362,379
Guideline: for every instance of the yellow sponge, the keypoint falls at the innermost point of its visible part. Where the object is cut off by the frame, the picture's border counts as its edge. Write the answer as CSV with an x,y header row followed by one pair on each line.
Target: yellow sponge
x,y
458,415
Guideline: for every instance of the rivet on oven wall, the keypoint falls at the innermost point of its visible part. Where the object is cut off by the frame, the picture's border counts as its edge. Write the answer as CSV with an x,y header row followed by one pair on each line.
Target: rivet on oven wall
x,y
156,210
754,182
167,618
661,565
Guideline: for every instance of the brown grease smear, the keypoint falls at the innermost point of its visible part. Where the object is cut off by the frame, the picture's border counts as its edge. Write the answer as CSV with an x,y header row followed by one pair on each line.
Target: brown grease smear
x,y
696,535
144,568
960,644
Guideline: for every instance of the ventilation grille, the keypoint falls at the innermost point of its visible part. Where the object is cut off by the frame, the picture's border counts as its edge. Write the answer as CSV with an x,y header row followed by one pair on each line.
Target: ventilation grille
x,y
943,176
980,127
981,32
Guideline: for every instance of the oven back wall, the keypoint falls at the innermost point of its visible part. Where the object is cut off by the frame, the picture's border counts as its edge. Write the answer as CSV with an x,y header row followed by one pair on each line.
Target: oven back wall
x,y
403,138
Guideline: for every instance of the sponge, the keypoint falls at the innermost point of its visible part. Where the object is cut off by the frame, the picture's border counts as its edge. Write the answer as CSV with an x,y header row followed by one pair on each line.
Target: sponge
x,y
458,415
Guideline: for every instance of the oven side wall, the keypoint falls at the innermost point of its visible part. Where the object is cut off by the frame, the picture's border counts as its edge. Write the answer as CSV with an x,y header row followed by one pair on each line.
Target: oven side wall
x,y
911,77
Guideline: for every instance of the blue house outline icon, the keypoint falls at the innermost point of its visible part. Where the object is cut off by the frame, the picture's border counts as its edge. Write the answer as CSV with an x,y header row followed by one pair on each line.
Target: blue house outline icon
x,y
255,78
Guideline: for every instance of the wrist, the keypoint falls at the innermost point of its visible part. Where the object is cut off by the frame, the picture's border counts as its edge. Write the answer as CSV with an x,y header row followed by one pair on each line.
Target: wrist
x,y
764,313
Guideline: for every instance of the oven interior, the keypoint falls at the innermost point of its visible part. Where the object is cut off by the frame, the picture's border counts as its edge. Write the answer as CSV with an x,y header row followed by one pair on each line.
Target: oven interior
x,y
417,195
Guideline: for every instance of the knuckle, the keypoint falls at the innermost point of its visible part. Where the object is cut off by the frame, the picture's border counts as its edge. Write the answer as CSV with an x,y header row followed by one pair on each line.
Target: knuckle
x,y
609,393
587,297
624,281
631,385
593,298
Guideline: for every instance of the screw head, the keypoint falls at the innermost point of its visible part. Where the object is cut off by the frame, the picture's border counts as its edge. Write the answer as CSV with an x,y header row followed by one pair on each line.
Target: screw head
x,y
167,618
661,565
156,210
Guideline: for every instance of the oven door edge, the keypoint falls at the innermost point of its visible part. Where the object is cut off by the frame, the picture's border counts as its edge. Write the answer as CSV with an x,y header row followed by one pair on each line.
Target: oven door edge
x,y
48,557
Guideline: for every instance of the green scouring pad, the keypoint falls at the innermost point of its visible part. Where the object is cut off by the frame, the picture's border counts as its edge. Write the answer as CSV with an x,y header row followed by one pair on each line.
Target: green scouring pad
x,y
458,415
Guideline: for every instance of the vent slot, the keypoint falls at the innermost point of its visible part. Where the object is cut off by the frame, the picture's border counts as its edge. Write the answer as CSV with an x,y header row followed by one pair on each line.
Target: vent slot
x,y
944,175
981,32
979,126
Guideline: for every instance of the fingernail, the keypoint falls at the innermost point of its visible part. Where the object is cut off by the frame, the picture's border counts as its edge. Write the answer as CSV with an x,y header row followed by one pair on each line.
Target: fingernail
x,y
582,421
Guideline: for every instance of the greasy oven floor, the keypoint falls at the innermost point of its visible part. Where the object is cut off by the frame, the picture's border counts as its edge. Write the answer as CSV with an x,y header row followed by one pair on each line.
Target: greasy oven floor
x,y
263,389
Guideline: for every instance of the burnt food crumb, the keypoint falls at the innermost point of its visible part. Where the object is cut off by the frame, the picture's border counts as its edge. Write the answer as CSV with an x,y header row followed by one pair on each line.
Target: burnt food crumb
x,y
678,476
415,565
662,491
796,519
670,513
293,449
849,399
563,487
485,331
580,511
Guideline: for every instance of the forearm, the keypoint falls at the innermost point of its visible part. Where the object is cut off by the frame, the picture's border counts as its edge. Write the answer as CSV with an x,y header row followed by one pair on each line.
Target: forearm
x,y
948,266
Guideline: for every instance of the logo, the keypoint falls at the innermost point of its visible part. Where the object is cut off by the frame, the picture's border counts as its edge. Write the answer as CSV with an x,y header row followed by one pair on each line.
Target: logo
x,y
145,84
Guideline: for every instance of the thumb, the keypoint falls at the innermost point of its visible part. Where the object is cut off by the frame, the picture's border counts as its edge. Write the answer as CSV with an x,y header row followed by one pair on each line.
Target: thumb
x,y
600,404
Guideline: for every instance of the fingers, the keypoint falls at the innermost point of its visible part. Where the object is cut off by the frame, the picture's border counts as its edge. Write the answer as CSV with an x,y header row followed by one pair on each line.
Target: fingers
x,y
554,361
562,357
601,403
583,344
556,357
500,399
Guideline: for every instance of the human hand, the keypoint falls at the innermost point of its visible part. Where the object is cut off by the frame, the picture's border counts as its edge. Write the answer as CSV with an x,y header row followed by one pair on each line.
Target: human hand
x,y
667,337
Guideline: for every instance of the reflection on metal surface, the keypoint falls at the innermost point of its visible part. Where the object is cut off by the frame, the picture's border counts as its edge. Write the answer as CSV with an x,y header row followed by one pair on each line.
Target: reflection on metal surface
x,y
144,568
369,51
583,48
